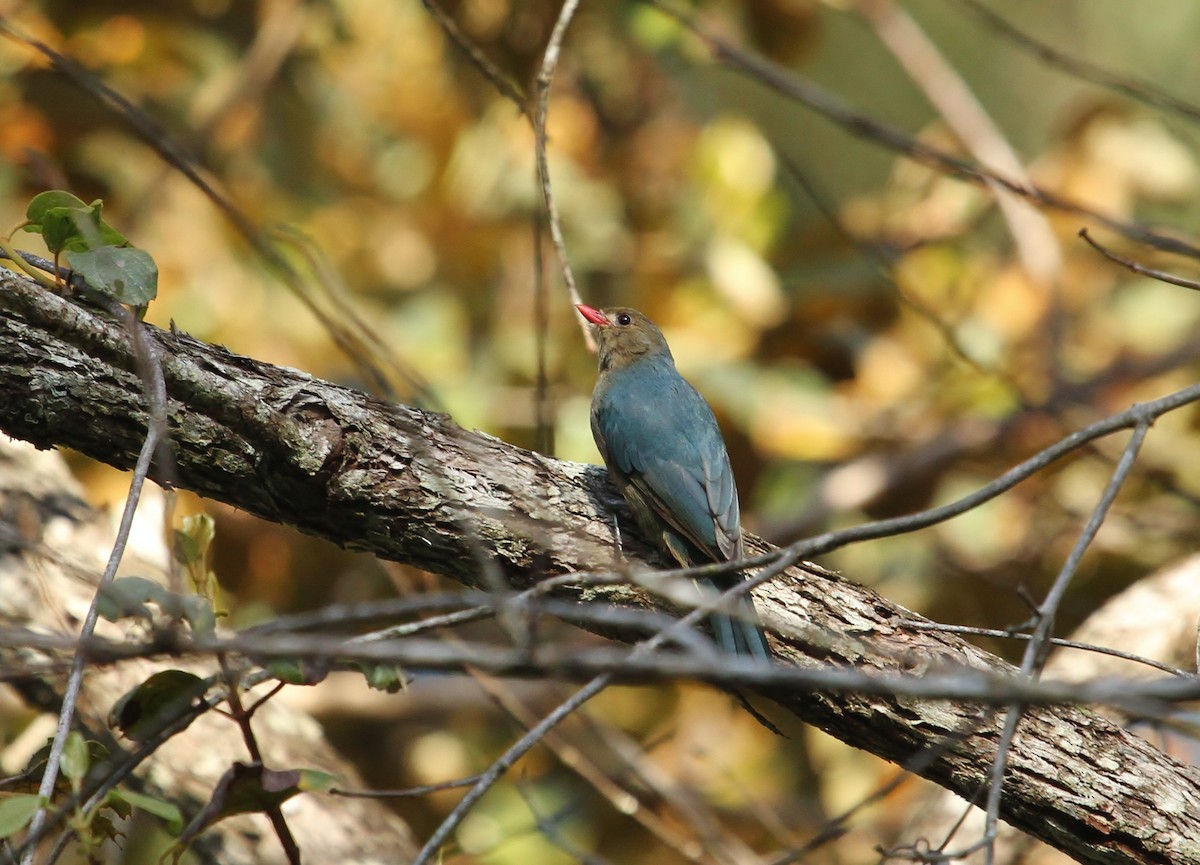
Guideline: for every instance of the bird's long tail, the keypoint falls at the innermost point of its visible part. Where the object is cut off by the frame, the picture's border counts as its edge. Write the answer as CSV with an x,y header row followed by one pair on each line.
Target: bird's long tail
x,y
741,635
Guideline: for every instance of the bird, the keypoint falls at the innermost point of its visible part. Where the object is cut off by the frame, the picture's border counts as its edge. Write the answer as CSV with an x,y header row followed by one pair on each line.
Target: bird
x,y
663,450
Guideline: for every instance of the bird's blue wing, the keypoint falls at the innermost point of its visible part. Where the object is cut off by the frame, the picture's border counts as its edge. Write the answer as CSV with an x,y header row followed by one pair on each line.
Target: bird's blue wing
x,y
661,436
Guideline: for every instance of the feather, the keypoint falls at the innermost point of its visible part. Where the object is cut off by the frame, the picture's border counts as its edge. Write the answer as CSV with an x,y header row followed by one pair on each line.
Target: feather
x,y
664,451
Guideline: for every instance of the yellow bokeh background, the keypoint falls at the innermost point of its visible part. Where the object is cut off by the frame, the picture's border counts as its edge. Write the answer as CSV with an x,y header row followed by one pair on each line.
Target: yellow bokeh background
x,y
880,352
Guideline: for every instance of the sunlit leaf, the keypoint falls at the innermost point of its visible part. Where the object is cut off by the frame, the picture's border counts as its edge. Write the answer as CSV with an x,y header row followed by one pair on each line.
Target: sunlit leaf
x,y
125,274
294,672
142,711
194,538
247,788
75,758
383,677
128,597
66,223
168,811
16,810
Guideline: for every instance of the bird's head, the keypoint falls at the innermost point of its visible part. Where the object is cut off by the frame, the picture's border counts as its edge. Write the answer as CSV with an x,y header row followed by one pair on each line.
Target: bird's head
x,y
624,335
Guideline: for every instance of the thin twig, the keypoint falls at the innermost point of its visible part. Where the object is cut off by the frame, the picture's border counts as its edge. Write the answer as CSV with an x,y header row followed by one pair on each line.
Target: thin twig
x,y
1141,697
504,762
1139,90
358,342
1054,641
864,126
504,86
622,800
835,827
1141,269
1038,647
564,709
156,398
159,730
543,410
542,93
1132,417
108,776
407,792
242,717
946,90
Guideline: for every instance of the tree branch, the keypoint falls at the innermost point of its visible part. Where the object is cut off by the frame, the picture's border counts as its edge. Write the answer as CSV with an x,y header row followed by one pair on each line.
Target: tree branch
x,y
406,485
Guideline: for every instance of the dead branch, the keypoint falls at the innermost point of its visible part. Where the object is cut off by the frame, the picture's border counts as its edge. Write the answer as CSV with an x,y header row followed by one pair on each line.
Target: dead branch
x,y
401,483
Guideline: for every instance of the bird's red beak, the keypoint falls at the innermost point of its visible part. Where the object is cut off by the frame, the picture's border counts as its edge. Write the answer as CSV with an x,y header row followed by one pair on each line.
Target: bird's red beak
x,y
595,316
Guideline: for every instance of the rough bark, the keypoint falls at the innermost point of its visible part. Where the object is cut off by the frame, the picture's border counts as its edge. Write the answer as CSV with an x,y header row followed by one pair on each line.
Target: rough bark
x,y
1154,618
52,549
414,487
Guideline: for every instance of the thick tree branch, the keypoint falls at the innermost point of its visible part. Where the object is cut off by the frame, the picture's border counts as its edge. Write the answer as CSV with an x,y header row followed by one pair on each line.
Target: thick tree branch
x,y
414,487
49,539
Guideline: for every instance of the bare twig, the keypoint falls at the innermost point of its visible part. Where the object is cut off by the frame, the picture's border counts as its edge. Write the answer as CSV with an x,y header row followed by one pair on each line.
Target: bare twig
x,y
1144,698
944,87
1038,646
564,709
407,792
163,727
864,126
542,93
1054,641
1141,269
543,410
622,800
1139,90
358,342
537,117
242,717
504,86
1133,417
156,398
504,763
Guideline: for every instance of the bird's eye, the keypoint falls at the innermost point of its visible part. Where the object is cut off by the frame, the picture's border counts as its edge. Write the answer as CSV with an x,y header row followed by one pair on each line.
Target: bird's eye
x,y
624,319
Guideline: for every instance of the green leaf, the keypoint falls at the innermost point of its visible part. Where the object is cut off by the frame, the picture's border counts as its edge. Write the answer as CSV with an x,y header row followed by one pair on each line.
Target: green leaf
x,y
82,228
293,672
161,808
101,828
383,677
66,223
59,230
314,781
198,612
125,274
126,598
246,788
49,215
52,199
16,810
93,230
27,781
193,540
120,808
146,708
250,787
186,551
75,758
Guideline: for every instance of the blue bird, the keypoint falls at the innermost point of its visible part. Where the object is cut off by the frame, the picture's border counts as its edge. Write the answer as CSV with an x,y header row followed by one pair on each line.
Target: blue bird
x,y
664,452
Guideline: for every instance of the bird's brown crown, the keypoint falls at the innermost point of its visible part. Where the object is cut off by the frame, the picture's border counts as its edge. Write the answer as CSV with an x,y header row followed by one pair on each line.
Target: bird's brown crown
x,y
624,335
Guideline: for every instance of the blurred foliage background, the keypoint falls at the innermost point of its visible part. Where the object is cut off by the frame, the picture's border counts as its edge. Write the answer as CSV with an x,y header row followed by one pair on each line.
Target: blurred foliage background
x,y
875,337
